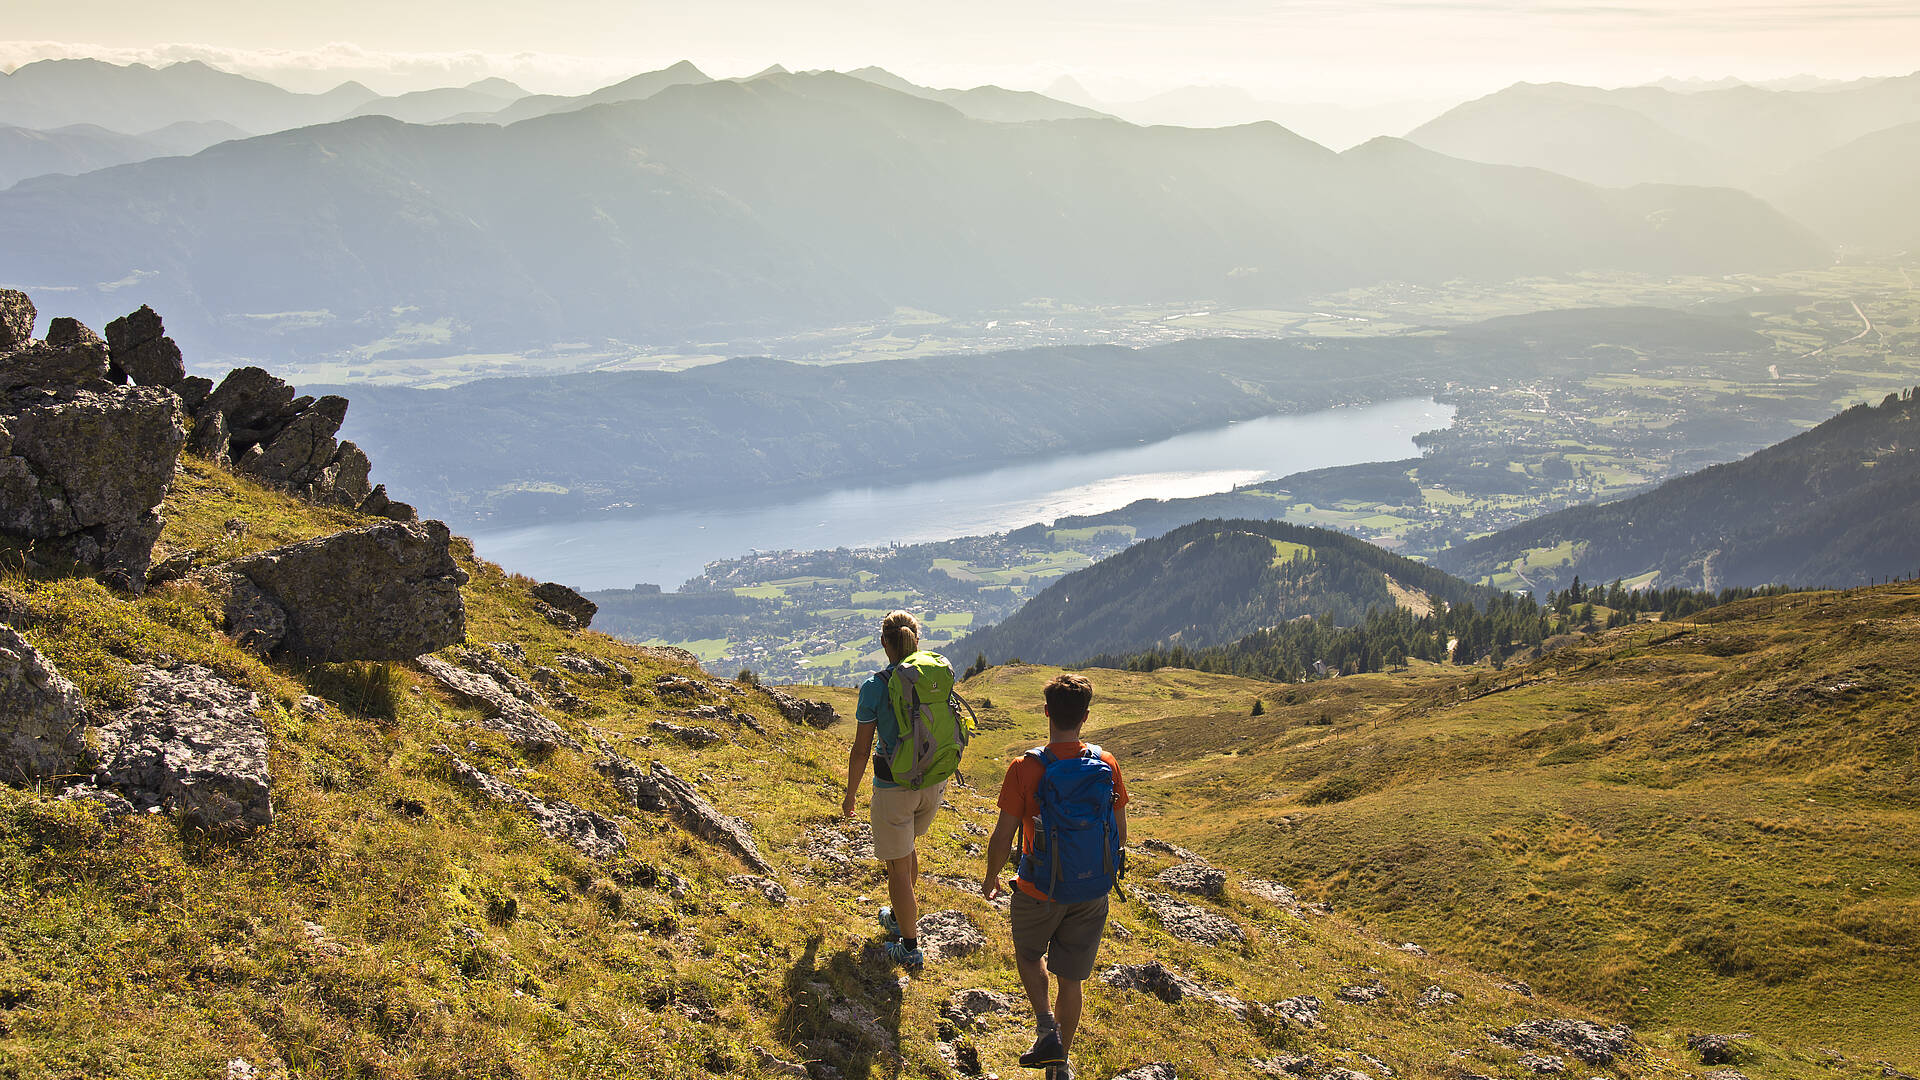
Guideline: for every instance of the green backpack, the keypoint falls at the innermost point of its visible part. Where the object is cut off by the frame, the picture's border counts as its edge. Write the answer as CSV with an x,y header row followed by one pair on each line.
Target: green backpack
x,y
927,713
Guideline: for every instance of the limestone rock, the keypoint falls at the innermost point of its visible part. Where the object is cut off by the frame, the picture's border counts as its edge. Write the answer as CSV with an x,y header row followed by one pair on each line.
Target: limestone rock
x,y
697,737
1302,1011
593,667
1166,848
487,662
1159,1070
1196,878
1273,893
1543,1064
556,595
42,716
347,475
17,317
507,714
300,451
947,934
253,403
1169,986
562,619
670,654
1190,922
381,592
82,471
194,743
142,352
801,710
1436,996
192,390
966,1007
41,364
1591,1043
727,714
594,835
1713,1049
1364,993
378,504
766,887
682,686
658,790
68,333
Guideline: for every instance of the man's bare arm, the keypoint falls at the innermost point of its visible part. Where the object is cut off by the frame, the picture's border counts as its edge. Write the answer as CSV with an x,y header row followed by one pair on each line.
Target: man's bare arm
x,y
999,850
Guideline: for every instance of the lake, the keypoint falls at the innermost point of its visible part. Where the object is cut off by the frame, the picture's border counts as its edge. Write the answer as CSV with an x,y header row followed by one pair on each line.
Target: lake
x,y
669,547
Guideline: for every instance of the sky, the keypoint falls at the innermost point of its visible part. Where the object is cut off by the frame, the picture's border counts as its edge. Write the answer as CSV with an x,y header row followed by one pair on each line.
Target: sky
x,y
1349,51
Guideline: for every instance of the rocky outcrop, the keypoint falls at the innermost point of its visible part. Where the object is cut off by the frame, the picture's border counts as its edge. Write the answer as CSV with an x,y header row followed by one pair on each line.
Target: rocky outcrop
x,y
1583,1039
948,934
697,737
658,791
1714,1049
383,592
768,888
523,725
1190,922
560,598
1363,993
84,471
1196,878
1436,996
253,423
1159,1070
594,835
801,710
17,316
966,1007
80,364
592,667
487,661
1170,986
192,743
42,718
142,353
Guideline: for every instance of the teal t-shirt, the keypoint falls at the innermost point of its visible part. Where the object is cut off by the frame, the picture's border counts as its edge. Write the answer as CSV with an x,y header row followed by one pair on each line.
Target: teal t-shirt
x,y
875,709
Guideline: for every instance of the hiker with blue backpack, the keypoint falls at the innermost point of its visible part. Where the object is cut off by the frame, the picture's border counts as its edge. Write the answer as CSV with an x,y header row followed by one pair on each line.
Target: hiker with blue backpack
x,y
1067,805
910,722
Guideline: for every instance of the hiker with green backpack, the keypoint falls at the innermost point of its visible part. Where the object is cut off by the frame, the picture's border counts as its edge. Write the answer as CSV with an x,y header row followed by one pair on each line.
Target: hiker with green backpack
x,y
912,729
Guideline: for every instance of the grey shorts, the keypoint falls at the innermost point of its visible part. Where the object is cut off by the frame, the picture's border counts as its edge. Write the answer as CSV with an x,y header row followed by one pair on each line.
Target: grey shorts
x,y
1069,934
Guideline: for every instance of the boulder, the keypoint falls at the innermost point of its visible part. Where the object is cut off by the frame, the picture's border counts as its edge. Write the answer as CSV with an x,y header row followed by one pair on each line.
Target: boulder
x,y
1588,1041
142,352
801,710
1196,878
302,450
658,790
192,391
381,592
253,405
17,317
192,743
1272,892
42,717
378,504
83,471
556,595
509,715
1713,1049
594,835
345,479
55,367
68,333
1190,922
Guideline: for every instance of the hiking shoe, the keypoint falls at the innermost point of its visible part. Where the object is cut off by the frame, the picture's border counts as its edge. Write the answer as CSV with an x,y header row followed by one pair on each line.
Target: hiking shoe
x,y
1046,1053
888,923
911,959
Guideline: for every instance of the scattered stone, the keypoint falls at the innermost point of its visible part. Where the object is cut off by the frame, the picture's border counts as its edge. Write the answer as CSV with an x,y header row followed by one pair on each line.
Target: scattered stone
x,y
556,688
1365,993
1518,987
659,791
966,1007
1341,1072
844,843
766,887
697,737
487,662
1196,878
1302,1011
682,686
519,722
1169,986
1714,1049
193,743
1165,848
1410,947
1736,1074
1159,1070
1436,996
1543,1064
594,835
947,934
511,650
727,714
142,352
1190,922
1591,1043
1286,1065
1272,892
593,667
381,592
556,595
801,710
42,716
17,316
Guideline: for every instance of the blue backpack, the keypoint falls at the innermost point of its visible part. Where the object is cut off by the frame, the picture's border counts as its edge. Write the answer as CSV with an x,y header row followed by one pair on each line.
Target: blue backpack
x,y
1076,853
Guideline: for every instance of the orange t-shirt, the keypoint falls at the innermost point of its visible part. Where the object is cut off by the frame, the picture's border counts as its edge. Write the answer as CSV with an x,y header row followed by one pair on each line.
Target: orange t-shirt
x,y
1020,796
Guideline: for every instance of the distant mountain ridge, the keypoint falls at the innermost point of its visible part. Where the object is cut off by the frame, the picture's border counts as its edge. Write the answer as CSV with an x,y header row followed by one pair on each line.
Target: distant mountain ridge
x,y
797,201
1210,583
80,148
1836,506
133,98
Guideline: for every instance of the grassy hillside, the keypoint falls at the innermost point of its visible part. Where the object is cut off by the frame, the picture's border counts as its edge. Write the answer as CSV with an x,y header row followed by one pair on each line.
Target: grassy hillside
x,y
391,924
1208,583
1705,825
1835,506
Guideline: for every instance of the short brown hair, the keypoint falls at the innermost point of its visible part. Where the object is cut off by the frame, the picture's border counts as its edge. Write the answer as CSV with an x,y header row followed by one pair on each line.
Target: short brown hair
x,y
1068,698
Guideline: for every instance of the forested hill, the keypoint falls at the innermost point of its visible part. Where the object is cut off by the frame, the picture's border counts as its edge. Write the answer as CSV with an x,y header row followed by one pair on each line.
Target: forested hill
x,y
1838,505
1208,583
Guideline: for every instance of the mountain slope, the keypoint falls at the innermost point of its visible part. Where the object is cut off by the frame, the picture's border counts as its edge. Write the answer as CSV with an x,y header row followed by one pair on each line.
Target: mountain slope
x,y
801,201
56,93
432,106
1209,583
1838,505
1860,193
638,88
985,102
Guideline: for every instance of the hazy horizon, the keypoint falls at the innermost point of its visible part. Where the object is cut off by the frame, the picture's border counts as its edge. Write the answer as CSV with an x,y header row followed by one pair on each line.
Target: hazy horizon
x,y
1307,51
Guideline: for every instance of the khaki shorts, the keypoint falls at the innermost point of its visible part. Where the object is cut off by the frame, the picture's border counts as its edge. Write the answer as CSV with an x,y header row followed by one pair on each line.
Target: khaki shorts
x,y
901,815
1069,934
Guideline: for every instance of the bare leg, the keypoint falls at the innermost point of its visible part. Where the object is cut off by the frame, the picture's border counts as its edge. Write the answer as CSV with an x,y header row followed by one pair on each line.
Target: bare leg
x,y
901,875
1033,976
1066,1010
